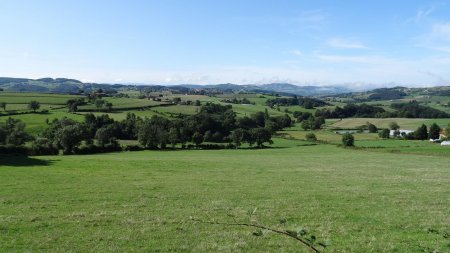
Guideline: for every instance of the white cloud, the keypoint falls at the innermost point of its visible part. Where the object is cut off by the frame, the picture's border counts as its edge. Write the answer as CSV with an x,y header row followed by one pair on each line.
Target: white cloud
x,y
343,58
441,30
443,49
307,19
312,16
297,52
437,37
310,19
345,43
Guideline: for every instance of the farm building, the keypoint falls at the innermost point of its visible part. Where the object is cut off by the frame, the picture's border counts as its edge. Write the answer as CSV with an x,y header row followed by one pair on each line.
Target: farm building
x,y
401,132
445,143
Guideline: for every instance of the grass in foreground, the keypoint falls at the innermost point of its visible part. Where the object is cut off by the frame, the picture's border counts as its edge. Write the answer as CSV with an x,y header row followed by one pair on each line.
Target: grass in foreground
x,y
142,201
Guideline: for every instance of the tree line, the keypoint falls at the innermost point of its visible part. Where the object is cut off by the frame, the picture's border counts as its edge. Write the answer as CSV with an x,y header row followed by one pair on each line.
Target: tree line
x,y
306,102
421,133
402,110
214,126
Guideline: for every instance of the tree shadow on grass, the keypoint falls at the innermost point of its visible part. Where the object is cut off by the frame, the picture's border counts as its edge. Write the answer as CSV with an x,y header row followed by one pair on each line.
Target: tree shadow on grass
x,y
23,161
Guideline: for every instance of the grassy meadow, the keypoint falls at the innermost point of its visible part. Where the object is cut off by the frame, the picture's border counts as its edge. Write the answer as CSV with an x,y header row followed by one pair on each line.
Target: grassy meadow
x,y
381,196
404,123
144,202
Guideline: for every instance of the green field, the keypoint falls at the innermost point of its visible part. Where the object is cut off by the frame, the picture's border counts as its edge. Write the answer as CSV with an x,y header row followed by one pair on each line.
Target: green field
x,y
144,202
384,122
25,98
36,123
124,103
18,102
382,196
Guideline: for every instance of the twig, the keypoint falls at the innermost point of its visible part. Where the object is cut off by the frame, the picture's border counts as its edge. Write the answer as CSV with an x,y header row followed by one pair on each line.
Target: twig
x,y
303,241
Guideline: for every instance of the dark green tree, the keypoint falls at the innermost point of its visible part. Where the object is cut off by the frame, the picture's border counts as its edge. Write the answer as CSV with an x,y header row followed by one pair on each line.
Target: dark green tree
x,y
197,138
371,127
348,140
106,136
421,133
435,130
384,133
261,135
109,106
154,132
34,105
238,136
99,103
173,136
311,137
306,124
68,137
259,118
12,132
394,126
317,123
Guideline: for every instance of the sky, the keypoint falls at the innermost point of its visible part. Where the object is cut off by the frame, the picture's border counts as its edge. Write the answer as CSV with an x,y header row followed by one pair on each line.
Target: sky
x,y
354,43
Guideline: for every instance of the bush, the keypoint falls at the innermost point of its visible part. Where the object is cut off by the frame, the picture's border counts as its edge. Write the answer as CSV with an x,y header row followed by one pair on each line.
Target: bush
x,y
43,146
372,128
384,133
311,137
12,149
133,148
348,140
93,149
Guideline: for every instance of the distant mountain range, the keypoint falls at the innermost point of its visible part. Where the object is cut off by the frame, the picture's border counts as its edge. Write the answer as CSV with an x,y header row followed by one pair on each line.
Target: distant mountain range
x,y
70,86
65,85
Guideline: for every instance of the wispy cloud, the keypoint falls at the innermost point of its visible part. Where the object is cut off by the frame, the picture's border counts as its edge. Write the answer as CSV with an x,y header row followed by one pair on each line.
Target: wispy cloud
x,y
437,37
443,49
346,43
311,19
297,52
312,16
423,13
441,30
306,19
343,58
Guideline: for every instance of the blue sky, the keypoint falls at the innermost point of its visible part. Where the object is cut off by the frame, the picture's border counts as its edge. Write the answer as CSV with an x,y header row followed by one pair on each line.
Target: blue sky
x,y
171,42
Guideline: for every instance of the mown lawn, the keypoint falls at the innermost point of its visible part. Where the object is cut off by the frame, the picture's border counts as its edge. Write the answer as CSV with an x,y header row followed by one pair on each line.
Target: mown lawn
x,y
142,201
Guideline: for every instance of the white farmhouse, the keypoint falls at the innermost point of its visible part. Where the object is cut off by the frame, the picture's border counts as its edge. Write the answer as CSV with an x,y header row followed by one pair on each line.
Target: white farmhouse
x,y
401,132
445,143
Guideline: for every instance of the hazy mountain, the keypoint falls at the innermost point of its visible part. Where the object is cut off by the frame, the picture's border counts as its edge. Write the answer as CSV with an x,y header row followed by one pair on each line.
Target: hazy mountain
x,y
279,88
304,90
65,85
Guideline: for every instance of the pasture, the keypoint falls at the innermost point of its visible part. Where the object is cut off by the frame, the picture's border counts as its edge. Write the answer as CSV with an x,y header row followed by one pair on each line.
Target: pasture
x,y
405,123
144,202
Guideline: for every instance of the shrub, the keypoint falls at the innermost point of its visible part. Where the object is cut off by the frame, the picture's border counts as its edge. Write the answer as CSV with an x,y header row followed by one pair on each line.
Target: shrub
x,y
311,137
42,146
372,128
384,133
348,140
12,149
133,148
93,149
